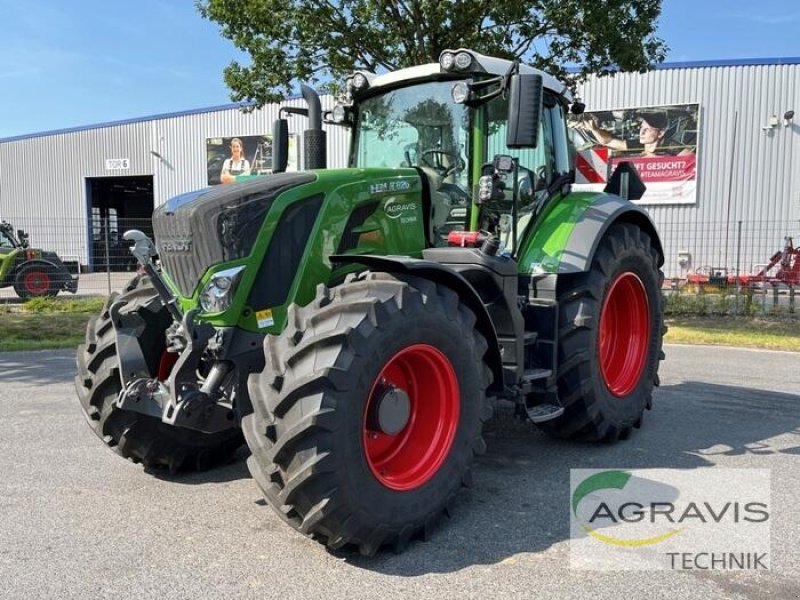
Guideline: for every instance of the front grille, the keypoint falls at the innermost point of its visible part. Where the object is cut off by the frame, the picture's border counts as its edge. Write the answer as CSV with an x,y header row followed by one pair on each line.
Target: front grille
x,y
218,225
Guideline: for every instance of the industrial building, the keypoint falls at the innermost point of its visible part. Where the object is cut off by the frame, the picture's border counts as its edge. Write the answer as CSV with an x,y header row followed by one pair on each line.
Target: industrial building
x,y
728,207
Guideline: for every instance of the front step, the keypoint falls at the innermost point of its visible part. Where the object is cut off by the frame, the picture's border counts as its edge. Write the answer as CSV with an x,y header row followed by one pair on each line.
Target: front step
x,y
540,413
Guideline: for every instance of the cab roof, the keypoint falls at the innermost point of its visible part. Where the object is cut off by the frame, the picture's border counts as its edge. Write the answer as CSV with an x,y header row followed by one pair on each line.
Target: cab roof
x,y
481,65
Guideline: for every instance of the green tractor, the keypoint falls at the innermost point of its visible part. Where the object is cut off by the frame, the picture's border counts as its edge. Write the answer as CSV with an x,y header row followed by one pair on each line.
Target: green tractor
x,y
34,273
357,326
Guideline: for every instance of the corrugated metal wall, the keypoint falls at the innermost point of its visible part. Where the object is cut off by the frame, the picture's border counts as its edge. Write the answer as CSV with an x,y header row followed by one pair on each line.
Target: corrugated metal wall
x,y
43,180
761,168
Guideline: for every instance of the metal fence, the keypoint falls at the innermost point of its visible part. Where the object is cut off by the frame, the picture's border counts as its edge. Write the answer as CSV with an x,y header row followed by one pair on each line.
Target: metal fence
x,y
734,267
60,250
707,259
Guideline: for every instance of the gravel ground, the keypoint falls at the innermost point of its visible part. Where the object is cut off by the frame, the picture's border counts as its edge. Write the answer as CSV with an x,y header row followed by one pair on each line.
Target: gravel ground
x,y
77,521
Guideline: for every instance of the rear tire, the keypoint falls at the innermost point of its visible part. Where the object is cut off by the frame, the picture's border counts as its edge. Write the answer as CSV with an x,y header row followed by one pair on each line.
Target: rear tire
x,y
318,455
136,436
610,339
35,281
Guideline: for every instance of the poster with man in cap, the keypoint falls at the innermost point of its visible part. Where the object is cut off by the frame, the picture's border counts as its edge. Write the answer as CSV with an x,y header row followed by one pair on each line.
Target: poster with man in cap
x,y
660,141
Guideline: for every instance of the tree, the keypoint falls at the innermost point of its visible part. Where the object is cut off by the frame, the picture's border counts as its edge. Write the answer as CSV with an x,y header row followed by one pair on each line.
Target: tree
x,y
324,40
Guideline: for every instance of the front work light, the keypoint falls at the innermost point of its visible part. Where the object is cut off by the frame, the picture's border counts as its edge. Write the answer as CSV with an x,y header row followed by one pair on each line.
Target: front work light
x,y
447,60
339,113
463,60
456,60
218,293
460,92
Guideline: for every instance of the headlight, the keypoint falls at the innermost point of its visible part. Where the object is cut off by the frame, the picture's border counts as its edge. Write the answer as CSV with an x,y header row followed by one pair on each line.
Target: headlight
x,y
460,60
218,292
463,60
447,60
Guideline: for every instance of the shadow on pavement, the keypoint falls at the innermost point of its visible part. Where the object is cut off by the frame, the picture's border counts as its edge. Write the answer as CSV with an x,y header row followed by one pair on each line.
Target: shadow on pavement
x,y
40,367
232,470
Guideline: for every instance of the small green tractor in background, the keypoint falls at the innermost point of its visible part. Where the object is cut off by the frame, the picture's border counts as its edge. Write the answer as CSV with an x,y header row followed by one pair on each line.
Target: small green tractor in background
x,y
34,273
357,326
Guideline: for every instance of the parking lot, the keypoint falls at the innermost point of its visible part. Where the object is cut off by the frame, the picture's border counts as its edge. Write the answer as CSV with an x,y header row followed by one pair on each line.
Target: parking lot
x,y
77,521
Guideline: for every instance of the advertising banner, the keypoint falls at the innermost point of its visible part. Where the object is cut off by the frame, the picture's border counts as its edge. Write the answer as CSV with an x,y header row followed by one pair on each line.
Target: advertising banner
x,y
660,141
228,158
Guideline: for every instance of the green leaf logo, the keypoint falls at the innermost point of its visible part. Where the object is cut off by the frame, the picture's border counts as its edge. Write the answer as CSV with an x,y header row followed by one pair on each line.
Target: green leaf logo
x,y
614,480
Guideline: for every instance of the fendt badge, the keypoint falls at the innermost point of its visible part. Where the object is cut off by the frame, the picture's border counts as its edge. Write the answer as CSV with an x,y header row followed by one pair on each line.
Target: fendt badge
x,y
176,245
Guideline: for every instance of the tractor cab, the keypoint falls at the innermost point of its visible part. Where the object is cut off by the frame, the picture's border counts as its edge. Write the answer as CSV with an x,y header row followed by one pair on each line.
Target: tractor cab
x,y
450,121
7,238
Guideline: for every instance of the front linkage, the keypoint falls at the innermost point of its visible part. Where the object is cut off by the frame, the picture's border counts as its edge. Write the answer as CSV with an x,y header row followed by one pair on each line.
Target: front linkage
x,y
178,395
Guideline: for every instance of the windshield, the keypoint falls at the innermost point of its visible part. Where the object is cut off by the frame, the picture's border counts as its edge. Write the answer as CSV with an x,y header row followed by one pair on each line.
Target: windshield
x,y
417,126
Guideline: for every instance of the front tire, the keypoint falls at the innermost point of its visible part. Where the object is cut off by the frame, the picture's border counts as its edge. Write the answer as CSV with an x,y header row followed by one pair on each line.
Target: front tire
x,y
136,436
369,411
611,330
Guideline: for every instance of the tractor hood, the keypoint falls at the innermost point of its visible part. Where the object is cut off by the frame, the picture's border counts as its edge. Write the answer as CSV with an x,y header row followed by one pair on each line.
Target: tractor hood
x,y
214,225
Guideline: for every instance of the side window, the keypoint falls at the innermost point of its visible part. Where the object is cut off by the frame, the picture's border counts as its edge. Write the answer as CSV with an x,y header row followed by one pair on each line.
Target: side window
x,y
562,144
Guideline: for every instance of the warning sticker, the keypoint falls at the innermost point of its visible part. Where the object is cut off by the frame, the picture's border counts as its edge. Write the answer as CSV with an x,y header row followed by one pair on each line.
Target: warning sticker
x,y
264,318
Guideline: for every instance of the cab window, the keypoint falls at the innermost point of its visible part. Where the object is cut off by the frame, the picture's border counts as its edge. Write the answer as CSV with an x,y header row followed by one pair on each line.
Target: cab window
x,y
5,240
538,167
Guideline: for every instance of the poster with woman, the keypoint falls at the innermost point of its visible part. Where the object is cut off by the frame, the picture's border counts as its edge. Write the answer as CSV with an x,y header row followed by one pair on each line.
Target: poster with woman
x,y
228,158
660,141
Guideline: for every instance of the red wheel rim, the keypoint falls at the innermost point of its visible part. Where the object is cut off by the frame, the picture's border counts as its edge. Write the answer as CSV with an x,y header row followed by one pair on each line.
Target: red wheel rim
x,y
410,458
624,334
37,282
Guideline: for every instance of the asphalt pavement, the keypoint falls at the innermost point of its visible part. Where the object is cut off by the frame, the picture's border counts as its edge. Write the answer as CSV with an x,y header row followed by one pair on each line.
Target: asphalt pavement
x,y
77,521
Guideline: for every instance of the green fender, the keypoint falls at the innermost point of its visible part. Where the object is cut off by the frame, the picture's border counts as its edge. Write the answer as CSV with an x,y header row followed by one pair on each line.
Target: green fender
x,y
566,236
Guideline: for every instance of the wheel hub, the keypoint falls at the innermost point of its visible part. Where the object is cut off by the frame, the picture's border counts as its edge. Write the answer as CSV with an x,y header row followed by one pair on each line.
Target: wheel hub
x,y
391,410
411,417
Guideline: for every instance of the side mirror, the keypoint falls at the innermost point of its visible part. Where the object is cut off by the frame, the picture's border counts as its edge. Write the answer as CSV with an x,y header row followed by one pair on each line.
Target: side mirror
x,y
625,182
23,238
524,111
280,146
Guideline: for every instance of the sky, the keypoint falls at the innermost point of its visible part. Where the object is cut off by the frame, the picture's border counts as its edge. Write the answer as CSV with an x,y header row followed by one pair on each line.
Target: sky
x,y
67,64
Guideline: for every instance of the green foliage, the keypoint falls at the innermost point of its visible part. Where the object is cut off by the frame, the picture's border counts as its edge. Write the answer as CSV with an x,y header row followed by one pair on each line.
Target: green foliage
x,y
308,40
685,304
770,332
63,305
37,331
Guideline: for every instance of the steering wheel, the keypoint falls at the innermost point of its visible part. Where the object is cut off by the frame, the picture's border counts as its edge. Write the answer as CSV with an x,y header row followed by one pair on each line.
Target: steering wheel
x,y
435,160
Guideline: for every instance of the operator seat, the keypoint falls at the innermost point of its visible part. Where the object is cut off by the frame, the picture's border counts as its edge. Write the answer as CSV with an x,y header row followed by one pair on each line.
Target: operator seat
x,y
440,201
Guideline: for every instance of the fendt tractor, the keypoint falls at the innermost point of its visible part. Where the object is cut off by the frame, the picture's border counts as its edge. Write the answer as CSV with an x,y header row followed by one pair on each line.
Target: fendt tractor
x,y
357,326
33,273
